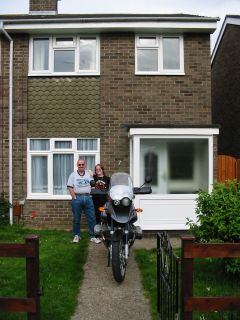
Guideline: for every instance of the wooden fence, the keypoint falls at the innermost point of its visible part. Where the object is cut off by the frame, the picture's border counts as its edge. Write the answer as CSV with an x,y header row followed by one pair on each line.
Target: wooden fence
x,y
228,168
191,250
31,303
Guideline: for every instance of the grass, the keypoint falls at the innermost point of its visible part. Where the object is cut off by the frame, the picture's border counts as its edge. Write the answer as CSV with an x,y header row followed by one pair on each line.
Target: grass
x,y
147,261
209,280
61,271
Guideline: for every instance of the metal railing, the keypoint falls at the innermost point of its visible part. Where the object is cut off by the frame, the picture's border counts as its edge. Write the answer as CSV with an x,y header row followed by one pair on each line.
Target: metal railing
x,y
167,279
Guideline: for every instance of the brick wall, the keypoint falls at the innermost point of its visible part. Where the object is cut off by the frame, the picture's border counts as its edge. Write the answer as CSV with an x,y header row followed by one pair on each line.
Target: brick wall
x,y
19,116
20,101
225,92
4,129
48,214
134,99
43,5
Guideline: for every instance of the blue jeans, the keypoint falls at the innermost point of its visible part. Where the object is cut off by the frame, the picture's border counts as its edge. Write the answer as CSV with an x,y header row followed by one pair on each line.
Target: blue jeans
x,y
83,203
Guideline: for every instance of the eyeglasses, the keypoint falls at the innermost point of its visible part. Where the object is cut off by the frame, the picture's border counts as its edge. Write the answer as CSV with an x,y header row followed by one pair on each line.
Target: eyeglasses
x,y
81,165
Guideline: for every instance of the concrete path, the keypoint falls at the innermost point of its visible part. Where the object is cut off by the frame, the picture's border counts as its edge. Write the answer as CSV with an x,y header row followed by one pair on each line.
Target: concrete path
x,y
101,297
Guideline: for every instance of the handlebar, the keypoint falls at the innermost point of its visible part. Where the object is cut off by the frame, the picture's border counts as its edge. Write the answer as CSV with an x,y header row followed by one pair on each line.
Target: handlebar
x,y
98,192
142,190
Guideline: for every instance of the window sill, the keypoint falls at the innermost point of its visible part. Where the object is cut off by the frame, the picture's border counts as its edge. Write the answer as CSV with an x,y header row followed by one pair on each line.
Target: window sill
x,y
63,74
48,197
160,74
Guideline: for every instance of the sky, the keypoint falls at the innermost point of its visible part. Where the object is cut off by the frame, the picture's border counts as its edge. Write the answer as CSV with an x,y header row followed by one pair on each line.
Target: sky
x,y
210,8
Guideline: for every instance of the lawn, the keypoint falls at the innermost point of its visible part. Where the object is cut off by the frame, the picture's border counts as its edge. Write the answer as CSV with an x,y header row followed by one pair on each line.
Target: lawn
x,y
61,271
209,280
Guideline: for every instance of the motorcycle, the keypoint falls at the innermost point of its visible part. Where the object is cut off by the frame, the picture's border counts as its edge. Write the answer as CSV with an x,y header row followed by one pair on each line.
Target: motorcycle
x,y
118,216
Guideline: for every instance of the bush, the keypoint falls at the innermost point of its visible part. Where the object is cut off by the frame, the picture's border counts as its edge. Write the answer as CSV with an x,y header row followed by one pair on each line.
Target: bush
x,y
5,205
218,217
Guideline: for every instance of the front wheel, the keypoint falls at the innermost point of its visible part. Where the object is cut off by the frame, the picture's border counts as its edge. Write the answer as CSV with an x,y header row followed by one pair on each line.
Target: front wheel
x,y
118,260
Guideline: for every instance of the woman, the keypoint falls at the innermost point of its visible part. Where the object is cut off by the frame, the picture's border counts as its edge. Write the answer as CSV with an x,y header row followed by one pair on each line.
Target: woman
x,y
102,183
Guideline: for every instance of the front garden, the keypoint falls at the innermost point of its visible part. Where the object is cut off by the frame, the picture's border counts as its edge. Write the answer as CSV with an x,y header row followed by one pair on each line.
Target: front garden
x,y
218,215
61,262
61,271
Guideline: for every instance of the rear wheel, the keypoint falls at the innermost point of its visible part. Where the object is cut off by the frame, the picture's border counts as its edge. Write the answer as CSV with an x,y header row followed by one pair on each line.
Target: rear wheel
x,y
118,260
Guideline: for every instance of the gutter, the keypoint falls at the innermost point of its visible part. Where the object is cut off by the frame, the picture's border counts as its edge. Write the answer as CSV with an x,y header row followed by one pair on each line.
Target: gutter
x,y
80,19
10,159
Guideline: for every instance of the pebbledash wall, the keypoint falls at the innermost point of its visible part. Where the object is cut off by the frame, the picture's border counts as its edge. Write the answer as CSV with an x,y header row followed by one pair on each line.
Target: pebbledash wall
x,y
98,106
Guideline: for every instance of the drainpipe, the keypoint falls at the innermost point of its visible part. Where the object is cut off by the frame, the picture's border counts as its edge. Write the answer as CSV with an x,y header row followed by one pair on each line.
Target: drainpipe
x,y
10,118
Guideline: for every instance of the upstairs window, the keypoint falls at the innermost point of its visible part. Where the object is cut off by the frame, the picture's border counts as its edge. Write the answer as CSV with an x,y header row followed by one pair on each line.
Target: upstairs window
x,y
64,55
40,54
157,54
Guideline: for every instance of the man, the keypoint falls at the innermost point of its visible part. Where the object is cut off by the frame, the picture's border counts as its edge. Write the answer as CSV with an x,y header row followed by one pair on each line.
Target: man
x,y
79,189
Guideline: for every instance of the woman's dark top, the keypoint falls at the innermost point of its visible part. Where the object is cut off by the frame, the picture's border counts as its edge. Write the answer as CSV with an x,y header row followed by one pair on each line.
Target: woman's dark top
x,y
102,183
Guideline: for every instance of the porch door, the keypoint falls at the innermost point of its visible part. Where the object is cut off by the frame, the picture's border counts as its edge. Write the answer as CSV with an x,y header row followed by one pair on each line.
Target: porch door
x,y
179,166
154,163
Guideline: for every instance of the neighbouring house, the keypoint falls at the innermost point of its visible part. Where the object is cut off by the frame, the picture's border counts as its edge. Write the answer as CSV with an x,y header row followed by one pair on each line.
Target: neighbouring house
x,y
226,86
132,91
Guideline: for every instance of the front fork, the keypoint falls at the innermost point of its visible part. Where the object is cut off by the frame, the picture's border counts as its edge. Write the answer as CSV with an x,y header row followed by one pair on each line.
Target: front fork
x,y
126,232
125,238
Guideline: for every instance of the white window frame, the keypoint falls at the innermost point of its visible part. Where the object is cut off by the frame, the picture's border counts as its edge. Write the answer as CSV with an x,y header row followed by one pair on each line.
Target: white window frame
x,y
136,134
49,154
159,47
54,47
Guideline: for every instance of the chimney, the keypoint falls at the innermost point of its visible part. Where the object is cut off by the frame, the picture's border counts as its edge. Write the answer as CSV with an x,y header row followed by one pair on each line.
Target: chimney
x,y
43,6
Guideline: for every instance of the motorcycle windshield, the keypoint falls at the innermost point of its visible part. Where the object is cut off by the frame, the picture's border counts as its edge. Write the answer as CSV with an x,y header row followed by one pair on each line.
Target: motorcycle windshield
x,y
121,186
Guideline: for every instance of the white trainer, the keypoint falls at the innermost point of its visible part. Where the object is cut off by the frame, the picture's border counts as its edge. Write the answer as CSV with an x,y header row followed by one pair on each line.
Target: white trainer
x,y
76,239
95,240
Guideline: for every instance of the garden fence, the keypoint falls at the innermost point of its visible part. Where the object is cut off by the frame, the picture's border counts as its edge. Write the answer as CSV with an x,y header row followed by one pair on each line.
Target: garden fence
x,y
31,303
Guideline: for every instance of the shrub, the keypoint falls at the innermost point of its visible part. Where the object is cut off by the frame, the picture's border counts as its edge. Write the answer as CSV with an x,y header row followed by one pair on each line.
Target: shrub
x,y
5,205
218,217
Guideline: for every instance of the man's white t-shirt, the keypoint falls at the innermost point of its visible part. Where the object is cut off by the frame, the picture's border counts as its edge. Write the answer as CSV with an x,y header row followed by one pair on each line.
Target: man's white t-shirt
x,y
80,184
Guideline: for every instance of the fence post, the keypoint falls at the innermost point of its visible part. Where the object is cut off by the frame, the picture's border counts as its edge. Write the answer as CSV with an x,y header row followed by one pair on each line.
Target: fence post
x,y
32,275
238,170
187,276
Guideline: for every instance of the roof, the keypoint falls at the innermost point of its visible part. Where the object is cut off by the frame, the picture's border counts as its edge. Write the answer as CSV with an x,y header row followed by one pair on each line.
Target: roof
x,y
229,19
104,22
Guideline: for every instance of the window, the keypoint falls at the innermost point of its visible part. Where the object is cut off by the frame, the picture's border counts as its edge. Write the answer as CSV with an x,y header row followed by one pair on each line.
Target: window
x,y
180,160
40,54
159,55
60,55
87,56
51,161
176,165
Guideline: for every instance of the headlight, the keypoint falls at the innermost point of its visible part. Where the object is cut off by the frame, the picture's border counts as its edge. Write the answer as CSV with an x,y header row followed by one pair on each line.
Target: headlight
x,y
116,202
126,202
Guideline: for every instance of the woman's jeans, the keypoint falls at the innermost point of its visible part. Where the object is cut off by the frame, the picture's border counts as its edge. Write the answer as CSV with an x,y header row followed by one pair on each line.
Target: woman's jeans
x,y
83,203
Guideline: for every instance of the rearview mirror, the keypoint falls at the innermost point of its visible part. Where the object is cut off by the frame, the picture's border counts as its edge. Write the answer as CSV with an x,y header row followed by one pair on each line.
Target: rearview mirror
x,y
148,179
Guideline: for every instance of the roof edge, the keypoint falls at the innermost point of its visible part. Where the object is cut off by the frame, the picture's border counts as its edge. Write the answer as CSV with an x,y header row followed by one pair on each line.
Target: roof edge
x,y
229,19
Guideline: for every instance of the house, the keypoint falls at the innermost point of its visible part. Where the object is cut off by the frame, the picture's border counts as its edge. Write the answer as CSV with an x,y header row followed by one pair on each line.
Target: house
x,y
132,91
226,86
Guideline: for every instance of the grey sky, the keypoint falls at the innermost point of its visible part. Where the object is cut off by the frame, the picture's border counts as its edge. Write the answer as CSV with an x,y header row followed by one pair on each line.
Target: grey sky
x,y
211,8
